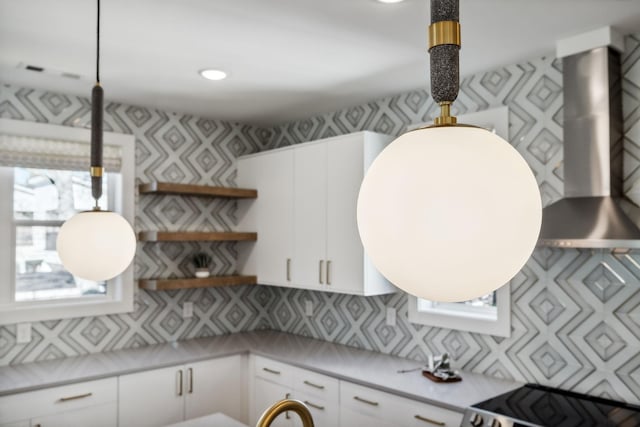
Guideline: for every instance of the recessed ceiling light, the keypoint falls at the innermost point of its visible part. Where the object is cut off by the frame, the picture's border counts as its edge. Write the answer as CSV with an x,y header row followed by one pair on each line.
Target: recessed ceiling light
x,y
212,74
390,1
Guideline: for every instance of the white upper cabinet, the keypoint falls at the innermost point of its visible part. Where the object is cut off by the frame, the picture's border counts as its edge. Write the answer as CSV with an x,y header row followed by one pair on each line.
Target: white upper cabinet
x,y
309,215
305,215
271,215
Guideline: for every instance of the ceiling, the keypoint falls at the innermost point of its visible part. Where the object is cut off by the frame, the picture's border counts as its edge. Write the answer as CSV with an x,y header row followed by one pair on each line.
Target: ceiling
x,y
287,59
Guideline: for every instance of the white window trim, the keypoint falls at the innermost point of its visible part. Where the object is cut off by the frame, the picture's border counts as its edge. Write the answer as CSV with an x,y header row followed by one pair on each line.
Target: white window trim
x,y
467,320
120,290
463,317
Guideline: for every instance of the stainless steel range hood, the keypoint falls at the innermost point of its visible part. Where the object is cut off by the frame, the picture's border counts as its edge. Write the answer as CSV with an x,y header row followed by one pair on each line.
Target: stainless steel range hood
x,y
594,212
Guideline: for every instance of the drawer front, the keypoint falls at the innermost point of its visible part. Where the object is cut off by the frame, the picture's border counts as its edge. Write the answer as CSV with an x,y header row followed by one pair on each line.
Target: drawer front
x,y
325,413
352,418
94,416
424,415
317,385
368,402
58,399
395,409
279,373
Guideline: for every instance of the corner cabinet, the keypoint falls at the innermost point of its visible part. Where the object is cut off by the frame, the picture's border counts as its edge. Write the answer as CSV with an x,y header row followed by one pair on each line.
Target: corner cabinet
x,y
306,215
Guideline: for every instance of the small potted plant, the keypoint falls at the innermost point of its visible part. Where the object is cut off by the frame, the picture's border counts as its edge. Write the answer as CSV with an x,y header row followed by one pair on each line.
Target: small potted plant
x,y
202,262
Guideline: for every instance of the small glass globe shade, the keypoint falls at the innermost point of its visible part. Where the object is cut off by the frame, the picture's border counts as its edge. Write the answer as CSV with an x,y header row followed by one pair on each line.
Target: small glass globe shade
x,y
449,213
96,245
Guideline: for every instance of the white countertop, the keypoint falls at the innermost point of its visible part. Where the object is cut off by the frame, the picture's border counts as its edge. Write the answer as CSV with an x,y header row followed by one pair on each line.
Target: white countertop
x,y
363,367
213,420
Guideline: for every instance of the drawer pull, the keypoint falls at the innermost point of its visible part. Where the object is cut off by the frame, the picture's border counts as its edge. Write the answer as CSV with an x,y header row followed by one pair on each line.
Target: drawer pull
x,y
190,380
313,405
80,396
309,383
320,267
328,272
271,371
429,420
368,402
288,269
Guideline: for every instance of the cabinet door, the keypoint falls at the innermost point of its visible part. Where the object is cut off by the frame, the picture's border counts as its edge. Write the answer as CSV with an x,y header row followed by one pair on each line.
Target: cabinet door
x,y
151,398
247,215
215,386
266,394
273,215
310,215
345,253
95,416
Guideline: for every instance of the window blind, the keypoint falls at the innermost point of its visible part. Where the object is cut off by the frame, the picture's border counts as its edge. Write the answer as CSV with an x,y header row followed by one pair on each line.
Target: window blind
x,y
30,152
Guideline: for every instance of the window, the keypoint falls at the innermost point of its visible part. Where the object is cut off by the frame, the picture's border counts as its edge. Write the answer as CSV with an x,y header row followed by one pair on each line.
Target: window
x,y
44,180
42,200
489,314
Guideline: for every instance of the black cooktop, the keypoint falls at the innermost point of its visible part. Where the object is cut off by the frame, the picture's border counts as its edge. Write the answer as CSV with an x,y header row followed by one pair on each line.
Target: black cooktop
x,y
545,406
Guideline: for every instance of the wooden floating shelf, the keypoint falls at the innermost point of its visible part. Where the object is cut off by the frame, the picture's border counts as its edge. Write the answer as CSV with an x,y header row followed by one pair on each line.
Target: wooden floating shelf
x,y
193,236
209,282
196,190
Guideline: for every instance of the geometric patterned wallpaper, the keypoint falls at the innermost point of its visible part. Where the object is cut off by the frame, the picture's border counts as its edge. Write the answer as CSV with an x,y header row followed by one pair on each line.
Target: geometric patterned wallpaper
x,y
169,147
574,324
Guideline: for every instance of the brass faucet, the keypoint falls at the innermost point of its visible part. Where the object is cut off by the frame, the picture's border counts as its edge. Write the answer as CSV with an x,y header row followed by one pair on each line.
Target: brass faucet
x,y
283,406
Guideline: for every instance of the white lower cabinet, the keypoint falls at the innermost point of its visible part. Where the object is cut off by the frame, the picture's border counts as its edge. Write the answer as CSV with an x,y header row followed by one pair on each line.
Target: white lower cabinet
x,y
94,416
151,398
274,381
338,403
217,385
364,406
266,393
169,395
77,405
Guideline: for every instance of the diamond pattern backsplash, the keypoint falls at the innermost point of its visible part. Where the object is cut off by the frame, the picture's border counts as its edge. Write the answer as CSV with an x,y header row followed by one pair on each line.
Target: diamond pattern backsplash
x,y
575,322
170,147
575,314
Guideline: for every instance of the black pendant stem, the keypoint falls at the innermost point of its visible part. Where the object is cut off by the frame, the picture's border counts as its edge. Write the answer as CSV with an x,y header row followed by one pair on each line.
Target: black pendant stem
x,y
96,141
97,100
444,59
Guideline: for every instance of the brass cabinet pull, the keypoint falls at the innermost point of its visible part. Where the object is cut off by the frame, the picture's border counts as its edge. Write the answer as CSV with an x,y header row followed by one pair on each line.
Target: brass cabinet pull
x,y
368,402
271,371
180,382
319,387
329,272
429,420
288,269
320,265
313,405
80,396
190,380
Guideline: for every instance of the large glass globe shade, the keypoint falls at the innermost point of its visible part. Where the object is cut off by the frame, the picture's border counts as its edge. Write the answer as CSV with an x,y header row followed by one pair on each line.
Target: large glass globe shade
x,y
449,213
96,245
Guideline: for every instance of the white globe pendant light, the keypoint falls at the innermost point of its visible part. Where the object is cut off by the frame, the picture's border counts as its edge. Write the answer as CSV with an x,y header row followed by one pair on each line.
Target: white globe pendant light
x,y
96,245
448,212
